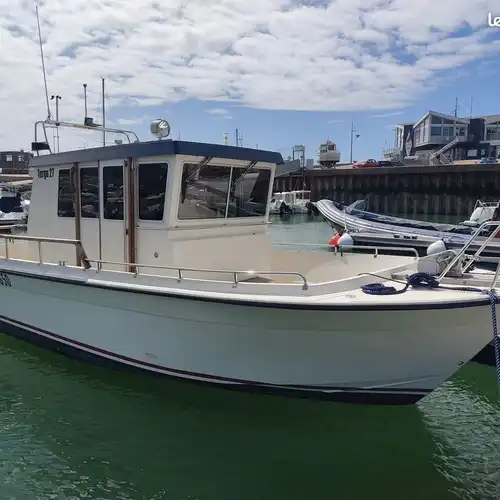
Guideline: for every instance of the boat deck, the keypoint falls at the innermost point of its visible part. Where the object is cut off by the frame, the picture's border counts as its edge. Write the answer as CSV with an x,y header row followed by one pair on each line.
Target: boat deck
x,y
311,279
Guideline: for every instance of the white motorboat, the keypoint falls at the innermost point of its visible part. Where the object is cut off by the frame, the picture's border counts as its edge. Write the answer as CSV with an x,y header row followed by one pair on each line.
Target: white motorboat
x,y
11,209
483,211
110,270
328,154
292,202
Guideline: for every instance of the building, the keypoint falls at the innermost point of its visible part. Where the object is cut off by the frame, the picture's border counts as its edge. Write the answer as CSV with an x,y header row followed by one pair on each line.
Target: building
x,y
437,138
14,162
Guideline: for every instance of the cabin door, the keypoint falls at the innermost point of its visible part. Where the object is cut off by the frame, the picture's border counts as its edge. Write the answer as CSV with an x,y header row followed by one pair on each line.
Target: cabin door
x,y
89,209
112,216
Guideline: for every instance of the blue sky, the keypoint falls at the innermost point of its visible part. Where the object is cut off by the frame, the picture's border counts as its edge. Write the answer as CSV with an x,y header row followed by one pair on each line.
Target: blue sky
x,y
280,130
283,72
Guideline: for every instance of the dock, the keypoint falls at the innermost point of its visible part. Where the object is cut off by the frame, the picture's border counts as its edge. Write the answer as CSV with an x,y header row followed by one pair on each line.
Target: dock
x,y
449,190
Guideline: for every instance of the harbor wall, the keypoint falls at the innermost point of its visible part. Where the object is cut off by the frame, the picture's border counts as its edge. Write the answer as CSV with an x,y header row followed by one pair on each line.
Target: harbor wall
x,y
449,190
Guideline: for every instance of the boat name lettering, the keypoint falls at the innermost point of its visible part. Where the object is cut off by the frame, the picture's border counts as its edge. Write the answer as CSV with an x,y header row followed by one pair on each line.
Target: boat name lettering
x,y
45,174
5,280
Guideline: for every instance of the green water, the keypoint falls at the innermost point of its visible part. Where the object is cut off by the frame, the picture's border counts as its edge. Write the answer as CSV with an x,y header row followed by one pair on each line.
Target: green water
x,y
74,431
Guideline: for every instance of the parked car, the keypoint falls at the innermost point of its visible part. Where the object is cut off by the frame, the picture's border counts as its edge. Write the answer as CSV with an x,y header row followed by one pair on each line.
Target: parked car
x,y
487,160
365,163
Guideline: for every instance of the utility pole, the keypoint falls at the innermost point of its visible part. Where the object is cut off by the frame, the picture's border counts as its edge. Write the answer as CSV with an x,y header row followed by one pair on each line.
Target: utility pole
x,y
353,130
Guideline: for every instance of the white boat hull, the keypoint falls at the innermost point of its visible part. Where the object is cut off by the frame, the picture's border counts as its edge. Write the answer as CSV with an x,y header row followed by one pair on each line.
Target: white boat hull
x,y
344,353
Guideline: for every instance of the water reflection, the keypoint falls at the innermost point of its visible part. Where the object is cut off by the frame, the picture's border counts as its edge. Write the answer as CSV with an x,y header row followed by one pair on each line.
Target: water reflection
x,y
74,429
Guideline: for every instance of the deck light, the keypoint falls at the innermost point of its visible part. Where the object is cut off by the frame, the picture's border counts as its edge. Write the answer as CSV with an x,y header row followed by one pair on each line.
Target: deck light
x,y
160,128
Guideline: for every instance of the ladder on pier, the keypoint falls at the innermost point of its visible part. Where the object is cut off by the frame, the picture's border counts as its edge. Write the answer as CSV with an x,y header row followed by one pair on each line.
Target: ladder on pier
x,y
437,158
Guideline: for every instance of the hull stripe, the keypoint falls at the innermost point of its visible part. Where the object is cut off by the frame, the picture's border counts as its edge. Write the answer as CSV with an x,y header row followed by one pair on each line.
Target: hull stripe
x,y
201,376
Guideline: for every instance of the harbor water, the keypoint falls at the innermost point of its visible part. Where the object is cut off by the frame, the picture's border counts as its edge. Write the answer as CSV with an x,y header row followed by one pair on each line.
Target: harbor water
x,y
74,431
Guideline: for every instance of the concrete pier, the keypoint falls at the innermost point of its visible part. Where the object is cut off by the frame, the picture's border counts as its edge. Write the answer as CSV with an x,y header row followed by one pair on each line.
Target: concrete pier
x,y
449,190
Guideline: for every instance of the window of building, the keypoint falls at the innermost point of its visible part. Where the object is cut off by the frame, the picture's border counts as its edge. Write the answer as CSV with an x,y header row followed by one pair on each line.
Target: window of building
x,y
89,192
112,184
448,122
8,158
204,192
249,192
152,187
65,205
417,135
436,120
436,131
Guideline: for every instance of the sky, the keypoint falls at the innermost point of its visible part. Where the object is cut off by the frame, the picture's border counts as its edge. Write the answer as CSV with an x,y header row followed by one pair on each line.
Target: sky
x,y
282,72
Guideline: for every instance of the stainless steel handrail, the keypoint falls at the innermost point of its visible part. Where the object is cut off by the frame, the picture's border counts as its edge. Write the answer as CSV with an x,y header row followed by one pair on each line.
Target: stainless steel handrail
x,y
411,250
39,240
180,270
478,252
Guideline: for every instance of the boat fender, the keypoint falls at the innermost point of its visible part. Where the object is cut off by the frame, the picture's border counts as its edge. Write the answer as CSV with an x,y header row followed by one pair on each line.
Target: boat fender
x,y
345,240
334,240
436,247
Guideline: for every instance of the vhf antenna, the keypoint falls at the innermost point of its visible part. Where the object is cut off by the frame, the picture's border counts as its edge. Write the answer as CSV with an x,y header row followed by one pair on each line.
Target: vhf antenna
x,y
43,65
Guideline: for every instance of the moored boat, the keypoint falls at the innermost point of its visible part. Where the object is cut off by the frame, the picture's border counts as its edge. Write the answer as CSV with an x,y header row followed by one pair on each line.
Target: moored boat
x,y
353,219
151,256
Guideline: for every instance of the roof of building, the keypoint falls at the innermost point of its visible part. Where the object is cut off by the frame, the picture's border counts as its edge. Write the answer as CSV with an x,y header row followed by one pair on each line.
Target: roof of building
x,y
460,119
156,148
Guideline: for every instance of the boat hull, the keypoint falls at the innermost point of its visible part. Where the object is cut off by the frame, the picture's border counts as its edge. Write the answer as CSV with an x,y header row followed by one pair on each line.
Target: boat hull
x,y
378,356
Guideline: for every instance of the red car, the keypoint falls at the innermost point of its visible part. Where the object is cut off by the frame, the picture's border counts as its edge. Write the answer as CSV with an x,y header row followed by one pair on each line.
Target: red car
x,y
365,163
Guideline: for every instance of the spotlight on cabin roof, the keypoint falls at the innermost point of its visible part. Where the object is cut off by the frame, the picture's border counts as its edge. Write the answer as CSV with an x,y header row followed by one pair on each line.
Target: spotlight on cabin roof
x,y
160,128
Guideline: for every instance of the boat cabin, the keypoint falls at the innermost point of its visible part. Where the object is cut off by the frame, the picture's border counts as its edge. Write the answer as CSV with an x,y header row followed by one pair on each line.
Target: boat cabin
x,y
328,154
165,202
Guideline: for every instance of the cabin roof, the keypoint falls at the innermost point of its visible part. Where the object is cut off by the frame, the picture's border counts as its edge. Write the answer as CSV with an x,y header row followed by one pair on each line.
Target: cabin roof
x,y
156,148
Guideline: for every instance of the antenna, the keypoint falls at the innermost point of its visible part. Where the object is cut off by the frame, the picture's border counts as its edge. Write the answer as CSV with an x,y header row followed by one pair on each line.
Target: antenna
x,y
43,64
103,114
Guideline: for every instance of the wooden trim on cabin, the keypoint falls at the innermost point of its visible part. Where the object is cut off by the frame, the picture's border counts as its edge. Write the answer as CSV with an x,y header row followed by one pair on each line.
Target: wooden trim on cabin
x,y
75,172
131,213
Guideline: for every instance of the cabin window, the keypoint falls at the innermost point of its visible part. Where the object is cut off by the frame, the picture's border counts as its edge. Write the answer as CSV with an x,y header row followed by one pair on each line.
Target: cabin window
x,y
204,191
65,205
152,187
112,183
89,187
249,192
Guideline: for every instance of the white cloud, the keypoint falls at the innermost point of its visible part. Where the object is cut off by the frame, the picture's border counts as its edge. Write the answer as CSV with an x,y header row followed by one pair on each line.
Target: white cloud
x,y
133,121
326,55
220,112
387,115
